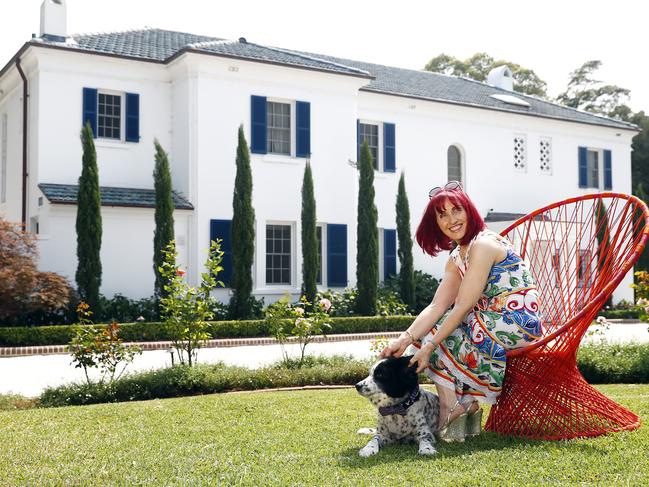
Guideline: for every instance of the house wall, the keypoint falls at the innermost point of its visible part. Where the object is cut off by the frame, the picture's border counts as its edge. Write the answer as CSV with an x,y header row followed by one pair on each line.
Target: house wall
x,y
126,246
195,105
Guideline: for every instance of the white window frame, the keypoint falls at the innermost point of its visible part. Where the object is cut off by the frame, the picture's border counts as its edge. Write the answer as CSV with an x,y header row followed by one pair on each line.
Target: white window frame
x,y
122,115
600,168
526,161
547,139
292,257
459,148
379,142
292,121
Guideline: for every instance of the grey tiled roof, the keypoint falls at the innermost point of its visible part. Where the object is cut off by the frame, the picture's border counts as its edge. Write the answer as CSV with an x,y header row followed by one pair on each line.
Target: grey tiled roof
x,y
110,196
503,217
162,45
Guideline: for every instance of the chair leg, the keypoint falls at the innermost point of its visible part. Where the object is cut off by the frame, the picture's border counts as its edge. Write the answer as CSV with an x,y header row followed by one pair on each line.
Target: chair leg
x,y
546,397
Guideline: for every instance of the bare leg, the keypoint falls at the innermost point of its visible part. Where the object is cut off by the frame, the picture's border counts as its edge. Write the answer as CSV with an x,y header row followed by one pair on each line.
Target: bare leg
x,y
447,400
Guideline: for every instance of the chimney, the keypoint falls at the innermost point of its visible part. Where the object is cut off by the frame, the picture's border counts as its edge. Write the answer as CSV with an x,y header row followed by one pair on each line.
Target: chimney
x,y
54,20
501,77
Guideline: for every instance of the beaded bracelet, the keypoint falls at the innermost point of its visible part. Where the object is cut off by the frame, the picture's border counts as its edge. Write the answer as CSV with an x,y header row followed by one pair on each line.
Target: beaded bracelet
x,y
412,339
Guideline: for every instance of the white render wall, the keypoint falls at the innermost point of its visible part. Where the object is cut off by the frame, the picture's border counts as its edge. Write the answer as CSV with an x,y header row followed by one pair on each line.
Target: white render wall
x,y
126,246
195,105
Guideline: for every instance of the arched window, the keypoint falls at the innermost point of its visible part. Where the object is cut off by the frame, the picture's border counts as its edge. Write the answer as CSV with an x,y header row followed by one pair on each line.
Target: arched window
x,y
455,164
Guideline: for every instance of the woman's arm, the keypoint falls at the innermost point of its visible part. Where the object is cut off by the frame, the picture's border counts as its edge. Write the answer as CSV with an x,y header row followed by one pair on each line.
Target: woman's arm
x,y
444,297
484,253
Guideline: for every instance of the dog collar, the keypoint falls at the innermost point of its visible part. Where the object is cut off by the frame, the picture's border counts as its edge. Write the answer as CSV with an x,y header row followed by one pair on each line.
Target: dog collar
x,y
401,409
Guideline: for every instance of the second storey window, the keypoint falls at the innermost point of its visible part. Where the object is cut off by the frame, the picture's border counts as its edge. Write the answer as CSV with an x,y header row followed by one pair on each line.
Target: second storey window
x,y
595,168
370,133
278,254
109,114
278,127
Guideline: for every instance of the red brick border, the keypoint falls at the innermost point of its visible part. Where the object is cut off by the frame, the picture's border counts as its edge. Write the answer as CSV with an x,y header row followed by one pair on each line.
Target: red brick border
x,y
224,342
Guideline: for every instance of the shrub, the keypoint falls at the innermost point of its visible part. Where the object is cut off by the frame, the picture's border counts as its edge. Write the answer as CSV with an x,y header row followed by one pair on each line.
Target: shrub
x,y
93,347
207,379
187,309
425,287
614,363
23,289
149,332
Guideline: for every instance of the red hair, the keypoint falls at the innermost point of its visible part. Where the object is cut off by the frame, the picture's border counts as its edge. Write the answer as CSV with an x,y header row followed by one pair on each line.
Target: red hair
x,y
431,238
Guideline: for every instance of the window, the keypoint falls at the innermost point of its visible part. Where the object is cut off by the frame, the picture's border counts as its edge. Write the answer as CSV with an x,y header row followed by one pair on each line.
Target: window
x,y
370,133
454,158
109,116
583,268
592,162
520,152
278,254
278,126
3,159
545,155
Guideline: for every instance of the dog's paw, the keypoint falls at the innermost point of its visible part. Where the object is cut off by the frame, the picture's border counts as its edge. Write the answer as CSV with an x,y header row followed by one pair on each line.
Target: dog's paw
x,y
366,431
427,449
369,450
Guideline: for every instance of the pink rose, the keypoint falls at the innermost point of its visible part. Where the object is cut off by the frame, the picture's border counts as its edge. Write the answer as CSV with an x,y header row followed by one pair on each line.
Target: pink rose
x,y
180,272
325,304
299,311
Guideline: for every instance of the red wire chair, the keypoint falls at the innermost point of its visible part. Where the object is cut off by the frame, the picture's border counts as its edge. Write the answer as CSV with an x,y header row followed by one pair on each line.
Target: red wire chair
x,y
579,250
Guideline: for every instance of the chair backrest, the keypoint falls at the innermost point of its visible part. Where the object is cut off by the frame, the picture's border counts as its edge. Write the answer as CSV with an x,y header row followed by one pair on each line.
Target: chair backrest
x,y
579,250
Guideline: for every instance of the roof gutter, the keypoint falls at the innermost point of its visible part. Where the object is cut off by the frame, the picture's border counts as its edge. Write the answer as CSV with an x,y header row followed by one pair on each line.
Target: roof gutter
x,y
25,98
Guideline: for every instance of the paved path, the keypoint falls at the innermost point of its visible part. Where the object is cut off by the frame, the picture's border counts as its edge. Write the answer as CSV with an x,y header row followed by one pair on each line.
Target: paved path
x,y
30,375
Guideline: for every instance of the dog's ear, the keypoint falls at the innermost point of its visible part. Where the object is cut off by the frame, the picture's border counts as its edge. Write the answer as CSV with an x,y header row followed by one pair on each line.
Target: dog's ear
x,y
405,361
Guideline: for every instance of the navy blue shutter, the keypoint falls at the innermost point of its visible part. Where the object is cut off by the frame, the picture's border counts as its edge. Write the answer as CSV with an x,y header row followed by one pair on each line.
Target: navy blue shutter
x,y
132,117
258,110
389,148
89,112
389,253
358,140
221,229
303,129
583,167
336,255
608,170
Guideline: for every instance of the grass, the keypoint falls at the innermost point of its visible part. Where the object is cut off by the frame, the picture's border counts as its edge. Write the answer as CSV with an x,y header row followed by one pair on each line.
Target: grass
x,y
290,438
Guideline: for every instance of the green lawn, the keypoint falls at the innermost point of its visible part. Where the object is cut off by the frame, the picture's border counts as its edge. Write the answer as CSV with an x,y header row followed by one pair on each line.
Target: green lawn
x,y
290,438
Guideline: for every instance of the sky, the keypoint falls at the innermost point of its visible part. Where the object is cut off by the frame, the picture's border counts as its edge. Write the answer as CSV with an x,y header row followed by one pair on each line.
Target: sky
x,y
552,37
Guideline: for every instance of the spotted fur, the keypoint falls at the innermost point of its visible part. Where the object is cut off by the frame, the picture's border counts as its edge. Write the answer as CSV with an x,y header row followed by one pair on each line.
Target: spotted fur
x,y
389,384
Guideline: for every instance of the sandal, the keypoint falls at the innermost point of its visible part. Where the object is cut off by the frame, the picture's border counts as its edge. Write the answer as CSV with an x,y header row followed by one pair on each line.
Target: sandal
x,y
474,423
453,431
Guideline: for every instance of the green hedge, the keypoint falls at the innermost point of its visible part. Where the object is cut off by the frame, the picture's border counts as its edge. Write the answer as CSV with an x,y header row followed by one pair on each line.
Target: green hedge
x,y
206,379
149,332
599,364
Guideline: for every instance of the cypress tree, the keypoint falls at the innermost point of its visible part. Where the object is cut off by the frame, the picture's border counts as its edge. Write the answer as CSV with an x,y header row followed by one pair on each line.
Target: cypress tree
x,y
643,262
164,214
309,238
367,238
88,224
406,274
243,233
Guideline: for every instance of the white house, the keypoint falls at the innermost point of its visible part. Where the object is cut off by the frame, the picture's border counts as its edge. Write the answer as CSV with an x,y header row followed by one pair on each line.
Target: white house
x,y
513,152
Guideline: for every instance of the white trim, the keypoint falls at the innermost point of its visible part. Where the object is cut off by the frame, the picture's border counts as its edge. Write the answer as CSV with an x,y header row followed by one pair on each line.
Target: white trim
x,y
379,142
291,129
122,116
292,258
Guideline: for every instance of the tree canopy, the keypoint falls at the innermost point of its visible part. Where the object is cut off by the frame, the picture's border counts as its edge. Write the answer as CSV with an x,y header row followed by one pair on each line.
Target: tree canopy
x,y
477,67
584,92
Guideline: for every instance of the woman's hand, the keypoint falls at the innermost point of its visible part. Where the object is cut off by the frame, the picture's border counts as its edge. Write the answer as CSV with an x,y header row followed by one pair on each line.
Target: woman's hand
x,y
396,348
422,357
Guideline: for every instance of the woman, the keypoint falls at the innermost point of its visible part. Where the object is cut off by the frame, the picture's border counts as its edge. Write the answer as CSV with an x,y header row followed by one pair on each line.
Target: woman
x,y
494,309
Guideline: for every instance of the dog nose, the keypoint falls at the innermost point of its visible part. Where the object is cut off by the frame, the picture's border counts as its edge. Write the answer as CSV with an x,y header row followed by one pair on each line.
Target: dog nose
x,y
359,386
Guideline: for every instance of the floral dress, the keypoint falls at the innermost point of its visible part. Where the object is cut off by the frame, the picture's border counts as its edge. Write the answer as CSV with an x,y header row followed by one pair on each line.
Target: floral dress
x,y
472,359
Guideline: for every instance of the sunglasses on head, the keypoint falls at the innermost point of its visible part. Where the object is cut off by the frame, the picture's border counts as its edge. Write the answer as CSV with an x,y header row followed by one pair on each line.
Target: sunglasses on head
x,y
450,186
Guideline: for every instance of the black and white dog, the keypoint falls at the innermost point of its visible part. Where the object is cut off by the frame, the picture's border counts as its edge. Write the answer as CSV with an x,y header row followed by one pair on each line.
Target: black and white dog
x,y
406,412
